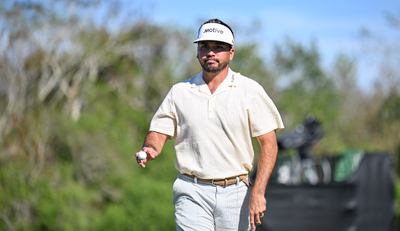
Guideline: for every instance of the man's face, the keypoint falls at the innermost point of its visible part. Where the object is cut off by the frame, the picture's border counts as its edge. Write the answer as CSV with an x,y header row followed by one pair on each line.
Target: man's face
x,y
214,56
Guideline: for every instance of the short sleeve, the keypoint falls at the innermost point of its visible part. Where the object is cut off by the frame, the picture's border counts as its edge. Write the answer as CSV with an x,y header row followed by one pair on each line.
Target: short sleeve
x,y
263,115
164,120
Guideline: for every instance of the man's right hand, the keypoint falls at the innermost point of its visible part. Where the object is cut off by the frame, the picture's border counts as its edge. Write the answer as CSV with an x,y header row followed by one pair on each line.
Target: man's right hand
x,y
151,155
153,145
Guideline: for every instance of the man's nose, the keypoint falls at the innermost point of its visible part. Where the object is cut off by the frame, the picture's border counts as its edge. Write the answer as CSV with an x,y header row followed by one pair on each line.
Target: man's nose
x,y
211,52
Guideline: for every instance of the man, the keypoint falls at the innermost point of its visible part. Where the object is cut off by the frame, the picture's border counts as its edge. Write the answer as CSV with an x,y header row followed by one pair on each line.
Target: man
x,y
212,117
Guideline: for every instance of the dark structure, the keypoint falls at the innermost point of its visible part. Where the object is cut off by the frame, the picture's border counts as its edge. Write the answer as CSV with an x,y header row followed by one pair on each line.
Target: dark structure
x,y
359,197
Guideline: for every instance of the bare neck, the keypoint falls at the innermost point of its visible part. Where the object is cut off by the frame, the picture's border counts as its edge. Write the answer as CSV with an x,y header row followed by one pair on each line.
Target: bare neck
x,y
213,80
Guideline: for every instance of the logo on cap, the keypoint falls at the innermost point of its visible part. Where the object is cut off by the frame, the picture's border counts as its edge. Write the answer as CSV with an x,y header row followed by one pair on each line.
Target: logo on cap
x,y
213,30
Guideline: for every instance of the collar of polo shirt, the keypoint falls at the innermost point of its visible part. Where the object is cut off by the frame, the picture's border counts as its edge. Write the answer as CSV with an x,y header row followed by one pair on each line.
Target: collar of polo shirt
x,y
230,81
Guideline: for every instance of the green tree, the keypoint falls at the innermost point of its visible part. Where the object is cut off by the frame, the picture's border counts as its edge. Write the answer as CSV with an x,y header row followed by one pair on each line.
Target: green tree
x,y
305,87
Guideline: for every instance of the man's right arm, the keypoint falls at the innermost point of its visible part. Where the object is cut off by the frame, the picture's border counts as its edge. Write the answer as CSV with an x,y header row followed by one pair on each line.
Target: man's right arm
x,y
152,145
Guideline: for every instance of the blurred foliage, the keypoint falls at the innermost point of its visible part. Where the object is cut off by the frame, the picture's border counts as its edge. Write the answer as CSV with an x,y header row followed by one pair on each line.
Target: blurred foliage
x,y
76,99
307,85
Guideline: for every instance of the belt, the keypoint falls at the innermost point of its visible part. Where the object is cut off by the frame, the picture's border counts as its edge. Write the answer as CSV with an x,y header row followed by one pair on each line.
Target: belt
x,y
224,182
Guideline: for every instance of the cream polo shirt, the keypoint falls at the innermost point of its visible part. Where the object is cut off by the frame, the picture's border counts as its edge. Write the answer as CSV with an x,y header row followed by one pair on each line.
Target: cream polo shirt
x,y
213,131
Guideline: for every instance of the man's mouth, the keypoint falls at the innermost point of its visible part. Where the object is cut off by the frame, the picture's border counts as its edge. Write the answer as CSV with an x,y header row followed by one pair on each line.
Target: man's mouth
x,y
212,61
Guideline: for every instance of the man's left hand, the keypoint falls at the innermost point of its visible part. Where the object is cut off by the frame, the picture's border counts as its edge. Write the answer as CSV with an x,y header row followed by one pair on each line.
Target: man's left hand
x,y
257,207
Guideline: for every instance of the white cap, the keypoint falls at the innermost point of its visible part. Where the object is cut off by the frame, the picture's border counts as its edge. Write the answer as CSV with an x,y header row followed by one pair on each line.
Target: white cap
x,y
215,32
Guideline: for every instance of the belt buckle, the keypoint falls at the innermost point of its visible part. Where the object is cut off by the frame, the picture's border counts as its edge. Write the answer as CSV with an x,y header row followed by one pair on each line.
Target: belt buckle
x,y
225,182
212,182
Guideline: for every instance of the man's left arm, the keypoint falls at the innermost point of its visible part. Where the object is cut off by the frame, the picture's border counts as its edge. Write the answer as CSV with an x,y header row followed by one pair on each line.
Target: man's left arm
x,y
266,162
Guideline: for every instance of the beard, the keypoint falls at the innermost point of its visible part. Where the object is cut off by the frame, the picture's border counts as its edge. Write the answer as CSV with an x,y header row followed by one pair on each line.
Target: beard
x,y
207,68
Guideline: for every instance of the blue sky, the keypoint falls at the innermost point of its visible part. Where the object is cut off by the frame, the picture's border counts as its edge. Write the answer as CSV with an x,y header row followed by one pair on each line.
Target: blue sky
x,y
334,25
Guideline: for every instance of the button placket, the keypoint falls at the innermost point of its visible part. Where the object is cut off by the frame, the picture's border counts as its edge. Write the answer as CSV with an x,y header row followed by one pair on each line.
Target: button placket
x,y
211,108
